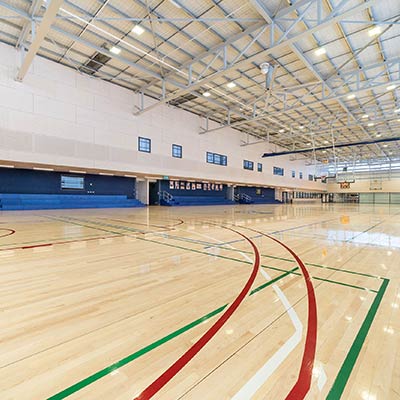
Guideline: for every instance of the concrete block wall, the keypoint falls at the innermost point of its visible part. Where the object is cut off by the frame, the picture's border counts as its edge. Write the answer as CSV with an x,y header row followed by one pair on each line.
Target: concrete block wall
x,y
61,117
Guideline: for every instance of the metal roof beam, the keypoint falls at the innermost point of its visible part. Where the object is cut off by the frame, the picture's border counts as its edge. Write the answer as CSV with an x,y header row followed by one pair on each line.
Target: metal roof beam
x,y
278,41
42,31
326,86
351,79
340,145
35,6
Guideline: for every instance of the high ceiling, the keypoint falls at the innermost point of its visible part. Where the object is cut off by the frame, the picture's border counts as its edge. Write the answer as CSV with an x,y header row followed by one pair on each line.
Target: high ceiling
x,y
300,74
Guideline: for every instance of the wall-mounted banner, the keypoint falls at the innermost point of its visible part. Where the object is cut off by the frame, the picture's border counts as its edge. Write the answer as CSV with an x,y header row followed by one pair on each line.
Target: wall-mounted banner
x,y
184,185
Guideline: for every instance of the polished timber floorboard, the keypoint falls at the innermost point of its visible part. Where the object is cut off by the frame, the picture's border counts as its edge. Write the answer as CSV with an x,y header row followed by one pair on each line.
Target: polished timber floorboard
x,y
170,303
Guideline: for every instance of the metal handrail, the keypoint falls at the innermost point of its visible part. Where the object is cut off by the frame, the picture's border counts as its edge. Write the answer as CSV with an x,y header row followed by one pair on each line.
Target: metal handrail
x,y
167,196
246,197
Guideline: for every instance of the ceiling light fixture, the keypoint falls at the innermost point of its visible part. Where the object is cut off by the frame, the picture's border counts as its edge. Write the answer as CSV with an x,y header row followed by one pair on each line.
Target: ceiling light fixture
x,y
281,130
206,94
376,30
301,126
371,124
397,110
391,87
138,30
365,116
231,85
351,96
320,51
264,68
115,50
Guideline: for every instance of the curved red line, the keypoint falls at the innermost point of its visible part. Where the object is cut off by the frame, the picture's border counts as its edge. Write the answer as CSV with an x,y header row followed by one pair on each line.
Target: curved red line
x,y
10,232
303,383
164,378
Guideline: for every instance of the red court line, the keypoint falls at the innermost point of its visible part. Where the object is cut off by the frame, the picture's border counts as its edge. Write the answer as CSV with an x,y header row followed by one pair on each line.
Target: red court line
x,y
56,243
303,383
9,232
164,378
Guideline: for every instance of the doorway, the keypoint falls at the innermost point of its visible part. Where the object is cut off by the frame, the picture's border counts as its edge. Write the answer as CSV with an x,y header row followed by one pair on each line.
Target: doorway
x,y
154,197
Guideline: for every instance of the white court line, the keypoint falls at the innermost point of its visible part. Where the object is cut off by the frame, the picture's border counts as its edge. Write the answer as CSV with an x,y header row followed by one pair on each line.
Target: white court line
x,y
273,363
261,376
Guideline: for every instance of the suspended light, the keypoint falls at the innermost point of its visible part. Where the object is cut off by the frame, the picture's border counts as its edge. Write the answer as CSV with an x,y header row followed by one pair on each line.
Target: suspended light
x,y
115,50
375,31
138,30
320,51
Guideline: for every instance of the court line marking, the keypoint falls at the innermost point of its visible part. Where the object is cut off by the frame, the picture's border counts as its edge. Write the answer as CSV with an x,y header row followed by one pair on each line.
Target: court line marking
x,y
61,242
71,220
262,375
252,386
181,362
254,291
343,376
276,232
108,370
10,232
241,252
303,383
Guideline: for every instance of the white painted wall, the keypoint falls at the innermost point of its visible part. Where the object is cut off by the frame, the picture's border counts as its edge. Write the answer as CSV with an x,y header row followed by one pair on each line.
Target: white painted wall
x,y
58,116
363,186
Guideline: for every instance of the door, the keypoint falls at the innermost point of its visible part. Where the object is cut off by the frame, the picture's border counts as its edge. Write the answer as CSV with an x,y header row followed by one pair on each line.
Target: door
x,y
154,198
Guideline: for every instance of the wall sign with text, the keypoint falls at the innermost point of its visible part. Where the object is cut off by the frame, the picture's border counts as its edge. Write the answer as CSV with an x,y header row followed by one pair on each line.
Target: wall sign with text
x,y
184,185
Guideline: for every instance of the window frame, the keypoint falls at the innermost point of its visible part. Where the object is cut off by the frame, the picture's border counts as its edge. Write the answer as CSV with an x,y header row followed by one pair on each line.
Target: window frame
x,y
248,165
146,140
216,158
259,167
178,147
278,171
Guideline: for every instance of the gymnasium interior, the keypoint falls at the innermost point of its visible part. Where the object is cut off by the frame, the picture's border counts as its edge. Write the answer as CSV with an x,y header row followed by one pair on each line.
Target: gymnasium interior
x,y
200,199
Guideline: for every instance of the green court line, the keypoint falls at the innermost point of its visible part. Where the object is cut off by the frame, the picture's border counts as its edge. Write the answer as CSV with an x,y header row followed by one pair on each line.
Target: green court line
x,y
264,266
98,375
105,371
344,284
344,373
208,243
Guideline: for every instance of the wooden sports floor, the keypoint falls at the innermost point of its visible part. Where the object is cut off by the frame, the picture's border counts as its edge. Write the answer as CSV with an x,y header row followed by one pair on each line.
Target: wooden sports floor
x,y
238,302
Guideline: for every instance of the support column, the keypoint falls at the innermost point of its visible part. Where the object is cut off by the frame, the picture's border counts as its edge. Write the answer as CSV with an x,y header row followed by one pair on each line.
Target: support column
x,y
230,193
142,190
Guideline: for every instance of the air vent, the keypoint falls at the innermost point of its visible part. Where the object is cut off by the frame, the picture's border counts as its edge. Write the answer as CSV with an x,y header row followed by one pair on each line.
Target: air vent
x,y
182,100
97,61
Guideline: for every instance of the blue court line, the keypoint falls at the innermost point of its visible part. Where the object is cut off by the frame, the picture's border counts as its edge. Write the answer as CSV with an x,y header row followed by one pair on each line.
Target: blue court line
x,y
272,233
